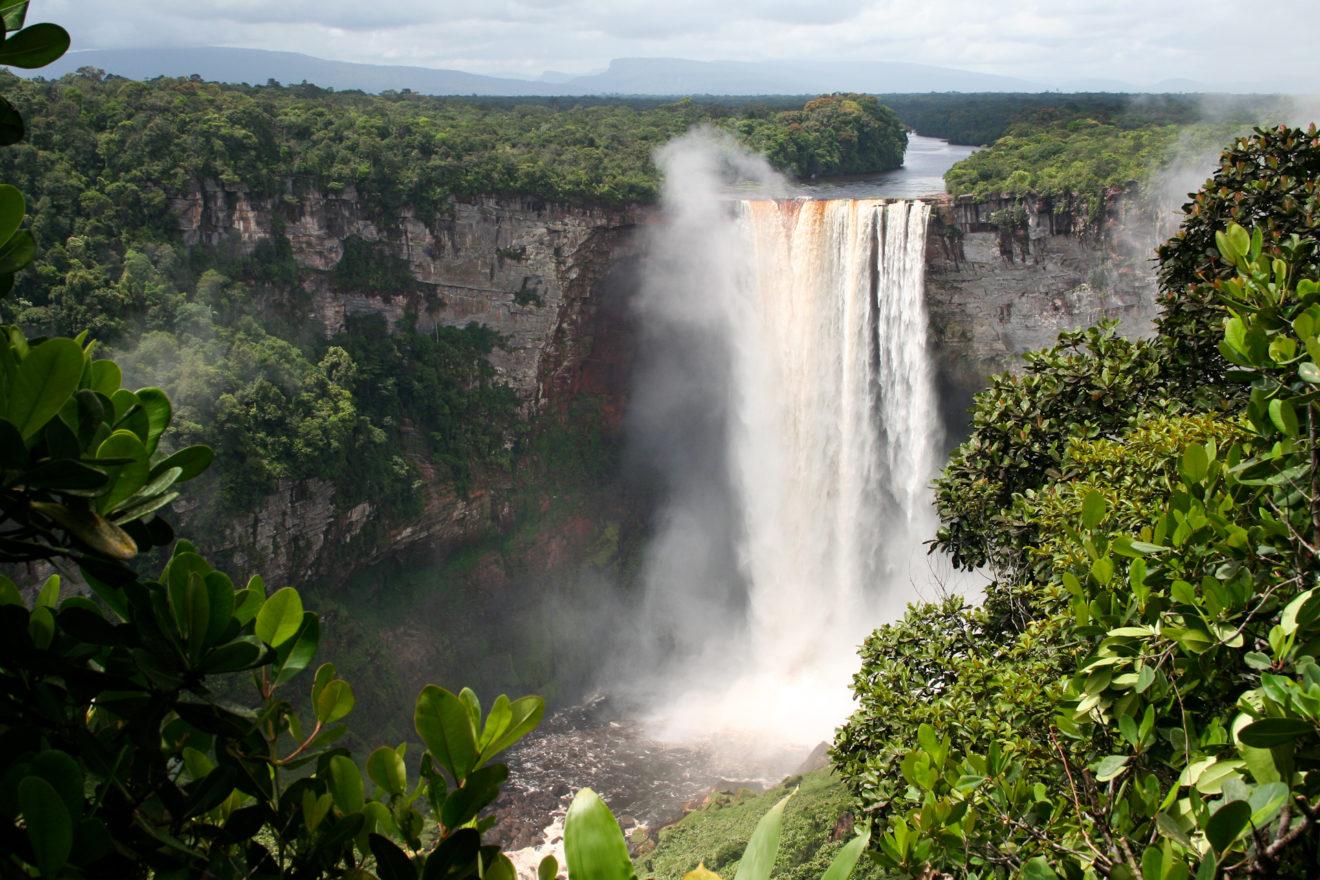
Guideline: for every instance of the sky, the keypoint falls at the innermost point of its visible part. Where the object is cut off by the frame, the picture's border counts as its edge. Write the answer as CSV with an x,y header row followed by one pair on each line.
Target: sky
x,y
1215,42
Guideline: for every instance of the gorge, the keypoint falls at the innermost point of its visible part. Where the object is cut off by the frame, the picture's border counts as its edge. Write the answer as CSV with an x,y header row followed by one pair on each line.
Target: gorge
x,y
568,288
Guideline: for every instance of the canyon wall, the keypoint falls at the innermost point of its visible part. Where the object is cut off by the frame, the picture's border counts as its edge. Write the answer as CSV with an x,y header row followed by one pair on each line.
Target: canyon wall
x,y
1003,279
556,281
550,279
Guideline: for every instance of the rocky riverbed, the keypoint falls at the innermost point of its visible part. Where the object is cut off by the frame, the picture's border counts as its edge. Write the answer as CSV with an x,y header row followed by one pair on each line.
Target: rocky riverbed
x,y
648,784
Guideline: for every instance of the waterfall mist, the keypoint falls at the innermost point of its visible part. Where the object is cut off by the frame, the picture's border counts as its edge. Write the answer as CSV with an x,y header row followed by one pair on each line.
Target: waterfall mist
x,y
785,399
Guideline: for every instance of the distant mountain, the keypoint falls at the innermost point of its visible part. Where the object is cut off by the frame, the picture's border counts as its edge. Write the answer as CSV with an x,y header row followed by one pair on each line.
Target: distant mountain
x,y
256,66
677,76
625,76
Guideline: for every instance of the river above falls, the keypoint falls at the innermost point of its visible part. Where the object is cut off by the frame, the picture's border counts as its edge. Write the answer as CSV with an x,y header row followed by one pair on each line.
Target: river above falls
x,y
922,174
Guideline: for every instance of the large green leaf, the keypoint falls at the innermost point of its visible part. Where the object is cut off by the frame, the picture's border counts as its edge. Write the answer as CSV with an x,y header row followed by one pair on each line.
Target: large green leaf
x,y
593,841
385,767
45,380
280,617
191,607
125,479
524,714
49,827
334,701
12,209
12,129
17,252
1227,824
1269,732
842,865
479,789
443,723
106,377
34,46
392,863
346,784
759,857
294,656
157,407
191,460
14,14
1093,509
64,775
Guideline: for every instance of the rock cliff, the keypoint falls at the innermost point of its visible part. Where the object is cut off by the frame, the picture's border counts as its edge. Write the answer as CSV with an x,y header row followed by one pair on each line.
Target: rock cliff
x,y
546,277
1004,278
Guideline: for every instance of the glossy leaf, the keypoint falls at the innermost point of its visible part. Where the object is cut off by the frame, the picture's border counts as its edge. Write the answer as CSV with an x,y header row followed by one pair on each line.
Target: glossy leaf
x,y
191,462
34,46
385,767
1227,824
12,210
280,617
1269,732
49,826
759,857
45,379
346,784
842,865
593,842
334,701
524,714
443,723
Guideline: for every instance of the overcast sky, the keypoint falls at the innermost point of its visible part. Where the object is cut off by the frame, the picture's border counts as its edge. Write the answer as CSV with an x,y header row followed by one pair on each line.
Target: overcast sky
x,y
1139,41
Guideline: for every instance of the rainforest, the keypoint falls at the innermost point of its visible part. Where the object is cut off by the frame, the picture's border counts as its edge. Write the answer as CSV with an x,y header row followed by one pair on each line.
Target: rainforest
x,y
663,473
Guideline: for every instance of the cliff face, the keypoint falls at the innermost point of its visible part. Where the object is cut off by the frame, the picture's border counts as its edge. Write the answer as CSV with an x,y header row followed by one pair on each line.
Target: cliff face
x,y
520,266
555,282
546,277
1000,283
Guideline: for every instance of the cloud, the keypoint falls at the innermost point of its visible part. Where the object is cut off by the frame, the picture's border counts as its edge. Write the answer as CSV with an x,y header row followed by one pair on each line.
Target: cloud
x,y
1137,41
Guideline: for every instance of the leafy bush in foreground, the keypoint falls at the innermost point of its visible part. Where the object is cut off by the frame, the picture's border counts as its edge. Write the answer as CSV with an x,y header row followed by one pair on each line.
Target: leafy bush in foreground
x,y
1183,735
122,754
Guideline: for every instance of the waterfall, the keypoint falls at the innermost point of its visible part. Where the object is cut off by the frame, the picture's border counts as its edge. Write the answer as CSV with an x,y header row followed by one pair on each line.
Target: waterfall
x,y
785,397
832,441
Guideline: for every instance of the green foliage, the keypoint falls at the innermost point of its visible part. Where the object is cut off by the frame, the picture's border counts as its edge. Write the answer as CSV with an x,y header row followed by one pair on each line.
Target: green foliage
x,y
835,134
82,477
1265,181
981,119
439,385
1081,157
715,834
1137,696
594,845
123,753
223,325
26,46
1089,384
1174,591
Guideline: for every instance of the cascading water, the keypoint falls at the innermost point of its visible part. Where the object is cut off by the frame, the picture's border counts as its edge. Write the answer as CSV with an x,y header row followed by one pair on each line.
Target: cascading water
x,y
789,340
832,443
